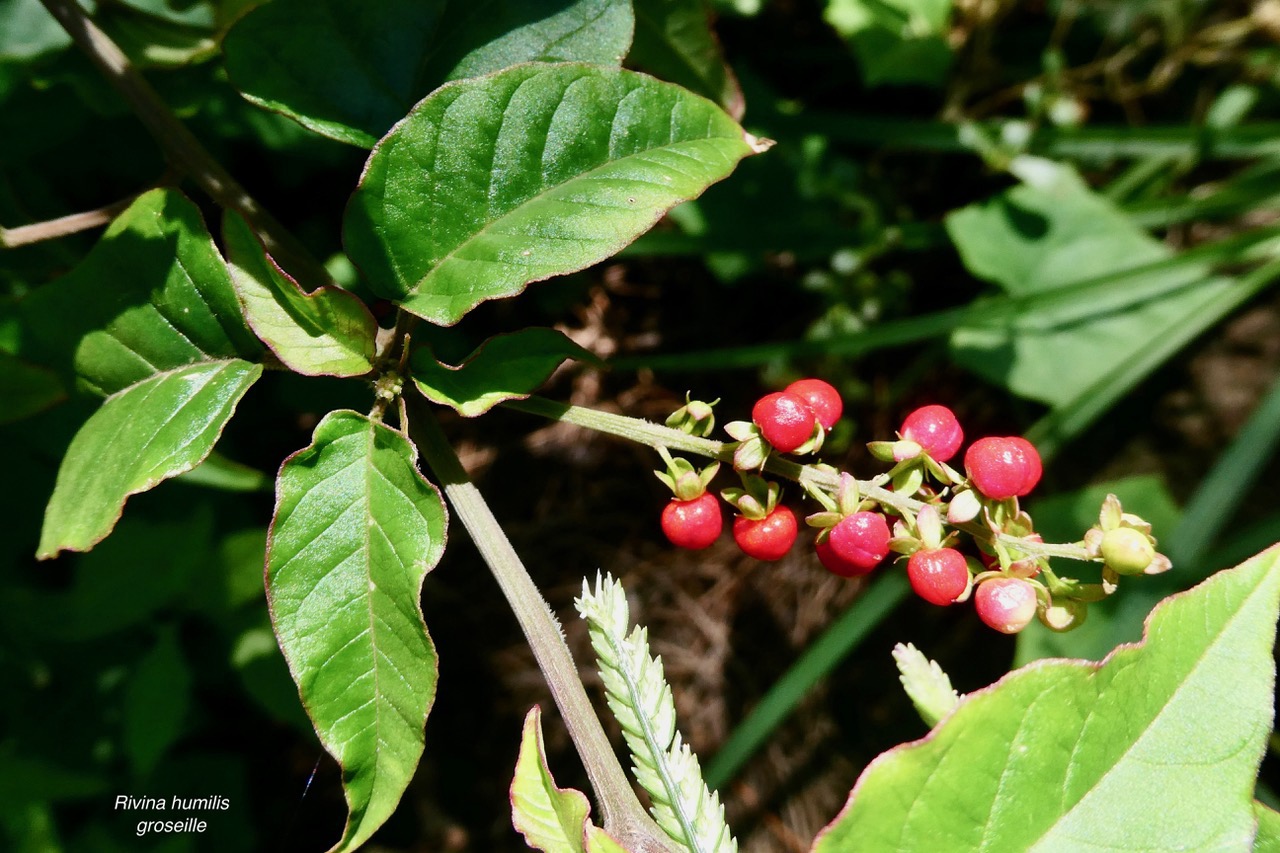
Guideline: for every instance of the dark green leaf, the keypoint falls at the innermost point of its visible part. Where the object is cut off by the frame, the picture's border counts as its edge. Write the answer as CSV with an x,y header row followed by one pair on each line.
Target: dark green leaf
x,y
140,437
265,677
143,568
155,705
219,472
351,70
356,530
674,41
897,41
537,171
326,332
1156,748
28,778
26,389
506,367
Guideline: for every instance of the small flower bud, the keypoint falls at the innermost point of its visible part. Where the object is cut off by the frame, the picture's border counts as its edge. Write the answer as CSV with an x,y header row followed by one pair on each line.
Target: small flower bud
x,y
1064,615
964,507
695,417
1127,551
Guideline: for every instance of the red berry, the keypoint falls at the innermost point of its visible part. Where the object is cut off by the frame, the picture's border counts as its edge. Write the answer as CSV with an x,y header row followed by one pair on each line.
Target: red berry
x,y
785,420
767,538
836,564
821,397
936,429
1003,467
1034,466
693,524
939,576
1006,604
857,544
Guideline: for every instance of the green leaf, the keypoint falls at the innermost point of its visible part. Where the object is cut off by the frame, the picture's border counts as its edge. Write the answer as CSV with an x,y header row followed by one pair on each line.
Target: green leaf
x,y
505,367
1050,234
152,40
140,437
149,319
351,70
897,41
155,705
1268,838
674,41
551,819
599,841
327,332
355,532
27,30
26,389
540,170
1155,748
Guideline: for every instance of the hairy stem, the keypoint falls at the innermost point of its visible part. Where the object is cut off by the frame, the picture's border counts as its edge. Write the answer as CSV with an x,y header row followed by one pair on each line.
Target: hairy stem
x,y
621,812
180,146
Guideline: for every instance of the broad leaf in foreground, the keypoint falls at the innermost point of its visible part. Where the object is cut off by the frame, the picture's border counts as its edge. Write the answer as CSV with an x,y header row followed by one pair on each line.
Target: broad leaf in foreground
x,y
140,437
505,367
355,532
327,332
1155,748
351,70
149,320
539,170
550,818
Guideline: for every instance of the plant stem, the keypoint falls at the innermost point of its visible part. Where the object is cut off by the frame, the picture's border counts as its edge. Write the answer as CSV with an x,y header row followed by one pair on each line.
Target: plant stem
x,y
180,146
24,235
623,816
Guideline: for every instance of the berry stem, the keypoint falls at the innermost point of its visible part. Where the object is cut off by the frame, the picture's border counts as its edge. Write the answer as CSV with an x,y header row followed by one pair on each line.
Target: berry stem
x,y
620,810
662,437
813,478
1072,551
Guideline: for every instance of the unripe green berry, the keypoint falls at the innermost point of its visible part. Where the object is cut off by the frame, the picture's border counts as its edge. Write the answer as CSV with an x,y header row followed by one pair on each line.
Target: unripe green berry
x,y
1127,551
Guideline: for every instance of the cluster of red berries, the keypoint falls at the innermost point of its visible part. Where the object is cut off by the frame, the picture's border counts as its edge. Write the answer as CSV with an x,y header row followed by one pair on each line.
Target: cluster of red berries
x,y
855,537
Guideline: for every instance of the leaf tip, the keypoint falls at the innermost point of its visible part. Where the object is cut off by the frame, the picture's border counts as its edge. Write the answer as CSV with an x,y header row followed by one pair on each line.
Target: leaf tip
x,y
757,144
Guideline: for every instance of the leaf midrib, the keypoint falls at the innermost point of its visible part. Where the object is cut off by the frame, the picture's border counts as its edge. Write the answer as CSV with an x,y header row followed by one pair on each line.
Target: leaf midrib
x,y
1199,662
485,229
